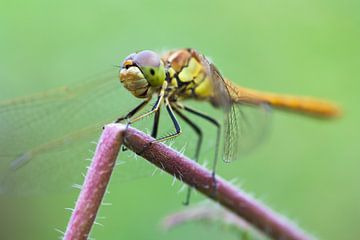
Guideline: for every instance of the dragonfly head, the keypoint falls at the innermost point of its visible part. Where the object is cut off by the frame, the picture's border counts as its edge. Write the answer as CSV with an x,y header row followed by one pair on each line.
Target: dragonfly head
x,y
142,72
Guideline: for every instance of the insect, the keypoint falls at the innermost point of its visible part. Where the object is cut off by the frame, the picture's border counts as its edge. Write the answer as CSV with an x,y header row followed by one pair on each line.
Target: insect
x,y
171,79
187,74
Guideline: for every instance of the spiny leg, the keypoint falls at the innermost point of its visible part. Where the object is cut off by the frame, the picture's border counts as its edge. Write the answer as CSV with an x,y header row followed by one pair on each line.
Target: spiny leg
x,y
218,133
134,111
156,124
137,109
196,129
176,125
154,109
156,106
199,133
175,122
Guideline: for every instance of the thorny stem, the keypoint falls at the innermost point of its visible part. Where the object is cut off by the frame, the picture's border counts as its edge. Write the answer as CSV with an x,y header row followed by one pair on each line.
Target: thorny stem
x,y
207,212
95,184
234,199
240,203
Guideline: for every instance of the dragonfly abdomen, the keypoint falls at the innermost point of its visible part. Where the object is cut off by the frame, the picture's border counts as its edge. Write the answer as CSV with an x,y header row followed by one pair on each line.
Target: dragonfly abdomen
x,y
305,105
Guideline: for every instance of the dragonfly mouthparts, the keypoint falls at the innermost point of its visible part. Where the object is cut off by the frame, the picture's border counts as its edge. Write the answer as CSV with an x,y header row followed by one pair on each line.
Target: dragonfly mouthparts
x,y
134,81
131,74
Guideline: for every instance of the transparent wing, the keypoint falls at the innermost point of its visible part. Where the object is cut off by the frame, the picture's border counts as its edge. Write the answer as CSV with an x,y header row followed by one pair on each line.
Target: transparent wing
x,y
46,138
221,97
245,124
245,127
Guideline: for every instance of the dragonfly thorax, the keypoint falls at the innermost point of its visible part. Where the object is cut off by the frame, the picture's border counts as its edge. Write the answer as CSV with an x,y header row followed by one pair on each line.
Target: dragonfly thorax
x,y
187,76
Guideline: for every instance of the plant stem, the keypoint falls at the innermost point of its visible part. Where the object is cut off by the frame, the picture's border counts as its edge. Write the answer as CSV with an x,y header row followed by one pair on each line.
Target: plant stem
x,y
95,184
237,201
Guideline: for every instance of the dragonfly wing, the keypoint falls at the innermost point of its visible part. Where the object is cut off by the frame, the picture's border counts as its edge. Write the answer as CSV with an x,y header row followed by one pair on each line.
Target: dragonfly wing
x,y
245,127
46,138
221,97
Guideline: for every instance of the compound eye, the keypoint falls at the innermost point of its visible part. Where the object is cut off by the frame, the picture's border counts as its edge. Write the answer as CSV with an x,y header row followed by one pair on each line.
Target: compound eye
x,y
147,58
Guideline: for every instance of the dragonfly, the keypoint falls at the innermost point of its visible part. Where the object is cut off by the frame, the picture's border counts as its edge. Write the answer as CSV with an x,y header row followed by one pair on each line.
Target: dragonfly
x,y
171,79
187,74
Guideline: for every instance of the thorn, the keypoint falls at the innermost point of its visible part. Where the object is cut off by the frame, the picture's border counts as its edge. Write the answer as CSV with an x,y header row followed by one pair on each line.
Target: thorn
x,y
59,231
171,143
162,165
119,162
182,150
154,172
69,209
181,189
180,176
77,186
173,181
106,204
99,224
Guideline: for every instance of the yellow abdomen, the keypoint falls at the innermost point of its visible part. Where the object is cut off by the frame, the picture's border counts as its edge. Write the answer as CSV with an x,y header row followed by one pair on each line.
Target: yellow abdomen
x,y
306,105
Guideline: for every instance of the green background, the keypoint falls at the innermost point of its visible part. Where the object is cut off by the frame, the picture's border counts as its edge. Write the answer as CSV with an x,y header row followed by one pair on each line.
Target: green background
x,y
307,169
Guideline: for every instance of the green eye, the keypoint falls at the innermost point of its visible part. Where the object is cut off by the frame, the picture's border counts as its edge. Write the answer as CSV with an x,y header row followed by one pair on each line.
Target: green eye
x,y
152,67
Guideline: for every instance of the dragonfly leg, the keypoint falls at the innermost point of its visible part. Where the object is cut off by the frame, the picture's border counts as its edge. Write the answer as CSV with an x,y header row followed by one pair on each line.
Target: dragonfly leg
x,y
175,122
218,134
155,124
155,107
134,111
199,133
155,128
196,129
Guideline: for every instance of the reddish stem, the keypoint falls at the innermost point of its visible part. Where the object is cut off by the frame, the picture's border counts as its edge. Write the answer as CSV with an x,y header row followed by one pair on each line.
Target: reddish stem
x,y
186,170
234,199
95,184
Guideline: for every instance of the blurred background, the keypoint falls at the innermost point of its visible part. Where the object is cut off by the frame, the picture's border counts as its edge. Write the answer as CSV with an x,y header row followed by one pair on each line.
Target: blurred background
x,y
306,169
